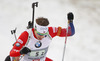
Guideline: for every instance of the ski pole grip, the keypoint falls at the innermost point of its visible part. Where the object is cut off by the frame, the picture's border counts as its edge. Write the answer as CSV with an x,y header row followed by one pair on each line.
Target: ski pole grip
x,y
11,31
70,16
35,4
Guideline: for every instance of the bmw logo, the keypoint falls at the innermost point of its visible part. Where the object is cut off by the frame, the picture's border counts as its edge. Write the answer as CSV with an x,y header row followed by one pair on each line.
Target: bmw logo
x,y
38,44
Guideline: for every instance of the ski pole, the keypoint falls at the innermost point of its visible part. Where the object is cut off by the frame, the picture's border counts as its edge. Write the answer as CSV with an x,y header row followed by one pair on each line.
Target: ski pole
x,y
70,18
65,45
31,23
13,32
33,6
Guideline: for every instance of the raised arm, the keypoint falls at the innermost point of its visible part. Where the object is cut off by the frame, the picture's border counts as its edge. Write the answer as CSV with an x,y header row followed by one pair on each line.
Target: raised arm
x,y
62,32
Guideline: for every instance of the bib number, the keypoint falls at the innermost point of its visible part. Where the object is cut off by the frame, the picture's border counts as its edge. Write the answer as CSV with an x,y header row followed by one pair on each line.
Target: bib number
x,y
37,54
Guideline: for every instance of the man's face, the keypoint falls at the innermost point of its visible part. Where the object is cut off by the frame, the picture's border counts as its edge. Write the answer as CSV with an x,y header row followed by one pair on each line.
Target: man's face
x,y
39,36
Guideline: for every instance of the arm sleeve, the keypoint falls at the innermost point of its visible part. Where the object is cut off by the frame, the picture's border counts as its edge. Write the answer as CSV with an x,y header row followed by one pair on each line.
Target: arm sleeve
x,y
21,41
62,32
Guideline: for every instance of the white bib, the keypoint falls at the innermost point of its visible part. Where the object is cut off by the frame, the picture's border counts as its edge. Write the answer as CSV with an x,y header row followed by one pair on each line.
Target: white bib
x,y
37,53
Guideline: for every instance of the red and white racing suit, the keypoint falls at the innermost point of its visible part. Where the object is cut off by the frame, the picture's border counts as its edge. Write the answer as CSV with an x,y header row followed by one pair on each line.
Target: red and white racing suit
x,y
37,54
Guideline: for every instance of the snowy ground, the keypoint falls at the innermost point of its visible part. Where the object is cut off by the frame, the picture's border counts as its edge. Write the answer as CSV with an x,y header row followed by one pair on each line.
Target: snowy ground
x,y
83,46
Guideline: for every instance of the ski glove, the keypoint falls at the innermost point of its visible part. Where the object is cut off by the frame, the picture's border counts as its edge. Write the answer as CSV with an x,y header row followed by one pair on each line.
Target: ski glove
x,y
70,17
25,50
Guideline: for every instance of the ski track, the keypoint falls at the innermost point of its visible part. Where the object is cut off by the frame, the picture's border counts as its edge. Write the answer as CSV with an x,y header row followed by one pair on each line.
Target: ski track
x,y
83,46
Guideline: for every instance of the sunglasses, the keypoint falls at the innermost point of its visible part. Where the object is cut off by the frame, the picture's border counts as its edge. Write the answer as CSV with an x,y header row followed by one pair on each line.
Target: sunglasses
x,y
41,34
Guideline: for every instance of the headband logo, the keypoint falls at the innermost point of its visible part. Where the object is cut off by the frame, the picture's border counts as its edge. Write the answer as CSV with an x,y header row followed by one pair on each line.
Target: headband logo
x,y
43,28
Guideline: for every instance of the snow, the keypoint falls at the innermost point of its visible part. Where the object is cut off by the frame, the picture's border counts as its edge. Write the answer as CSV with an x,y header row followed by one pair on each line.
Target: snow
x,y
83,46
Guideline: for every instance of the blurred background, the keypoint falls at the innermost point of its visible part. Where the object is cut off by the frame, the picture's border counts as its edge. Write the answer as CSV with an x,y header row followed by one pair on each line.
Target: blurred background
x,y
83,46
